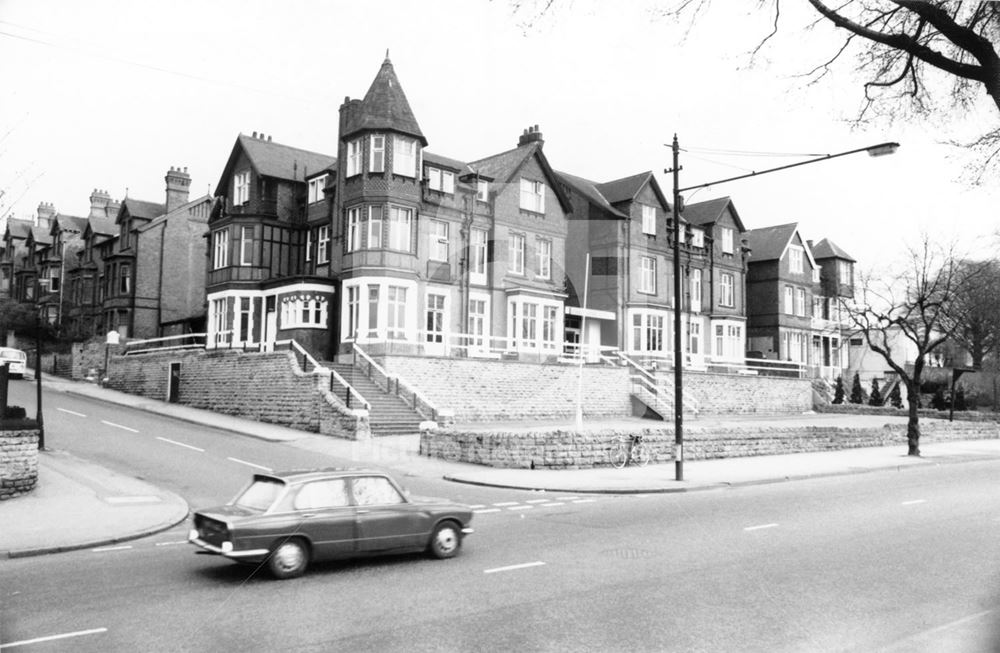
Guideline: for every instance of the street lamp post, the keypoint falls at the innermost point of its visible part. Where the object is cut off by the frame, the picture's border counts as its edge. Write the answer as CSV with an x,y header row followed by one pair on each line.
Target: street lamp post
x,y
880,149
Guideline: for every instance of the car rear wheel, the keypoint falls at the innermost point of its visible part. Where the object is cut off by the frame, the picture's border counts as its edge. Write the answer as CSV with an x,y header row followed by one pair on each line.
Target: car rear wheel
x,y
446,540
289,559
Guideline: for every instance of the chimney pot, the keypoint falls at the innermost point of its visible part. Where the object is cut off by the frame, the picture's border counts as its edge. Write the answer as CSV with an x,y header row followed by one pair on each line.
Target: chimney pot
x,y
255,134
268,138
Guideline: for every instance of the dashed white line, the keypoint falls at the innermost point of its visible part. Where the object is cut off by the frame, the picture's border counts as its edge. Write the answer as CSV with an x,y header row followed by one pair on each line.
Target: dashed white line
x,y
502,504
760,527
537,501
52,638
181,444
914,502
171,543
118,426
584,500
71,412
513,567
477,506
243,462
520,507
567,498
102,549
553,504
486,510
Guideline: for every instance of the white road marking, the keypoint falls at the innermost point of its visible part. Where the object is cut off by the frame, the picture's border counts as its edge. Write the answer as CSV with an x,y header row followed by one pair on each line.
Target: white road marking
x,y
52,638
762,526
520,508
914,502
486,510
71,412
180,444
102,549
478,505
118,426
567,498
513,567
907,644
171,543
133,499
536,501
553,504
584,500
243,462
505,503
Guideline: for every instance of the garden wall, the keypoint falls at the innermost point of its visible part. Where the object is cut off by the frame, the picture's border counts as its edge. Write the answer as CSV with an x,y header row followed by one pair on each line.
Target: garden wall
x,y
18,461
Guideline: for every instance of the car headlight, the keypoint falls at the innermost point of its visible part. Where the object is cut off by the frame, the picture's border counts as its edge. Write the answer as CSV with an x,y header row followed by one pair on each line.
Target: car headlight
x,y
193,534
227,547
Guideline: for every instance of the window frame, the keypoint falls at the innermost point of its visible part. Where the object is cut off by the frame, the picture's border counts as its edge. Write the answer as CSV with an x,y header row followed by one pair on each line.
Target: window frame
x,y
323,244
404,163
354,158
543,252
437,249
399,229
376,153
515,254
220,248
648,219
532,195
647,275
241,188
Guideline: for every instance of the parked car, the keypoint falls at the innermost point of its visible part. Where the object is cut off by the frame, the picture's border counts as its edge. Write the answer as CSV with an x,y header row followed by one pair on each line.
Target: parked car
x,y
16,361
291,519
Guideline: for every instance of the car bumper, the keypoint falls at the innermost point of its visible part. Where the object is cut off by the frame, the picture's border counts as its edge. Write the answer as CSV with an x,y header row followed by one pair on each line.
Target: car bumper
x,y
238,554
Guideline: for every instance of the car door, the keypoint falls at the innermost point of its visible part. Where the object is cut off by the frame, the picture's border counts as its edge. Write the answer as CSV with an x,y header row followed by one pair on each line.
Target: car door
x,y
386,521
326,517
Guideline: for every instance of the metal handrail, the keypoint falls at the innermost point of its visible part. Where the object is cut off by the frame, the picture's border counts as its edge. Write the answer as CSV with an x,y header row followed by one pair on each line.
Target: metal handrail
x,y
343,382
399,382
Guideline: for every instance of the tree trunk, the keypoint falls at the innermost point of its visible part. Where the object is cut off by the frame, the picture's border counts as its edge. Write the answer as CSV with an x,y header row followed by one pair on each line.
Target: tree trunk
x,y
913,428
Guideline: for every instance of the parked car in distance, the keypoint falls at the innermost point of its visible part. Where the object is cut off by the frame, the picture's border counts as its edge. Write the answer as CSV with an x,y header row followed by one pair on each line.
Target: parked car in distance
x,y
16,361
290,519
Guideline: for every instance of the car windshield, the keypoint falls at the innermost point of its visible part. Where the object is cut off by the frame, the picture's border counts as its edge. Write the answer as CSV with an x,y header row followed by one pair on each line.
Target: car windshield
x,y
259,495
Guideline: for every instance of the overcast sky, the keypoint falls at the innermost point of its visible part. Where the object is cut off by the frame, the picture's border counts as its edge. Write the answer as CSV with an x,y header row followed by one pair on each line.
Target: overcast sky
x,y
110,94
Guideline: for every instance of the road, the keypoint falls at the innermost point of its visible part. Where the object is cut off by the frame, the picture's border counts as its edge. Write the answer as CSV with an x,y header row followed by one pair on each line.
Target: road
x,y
887,561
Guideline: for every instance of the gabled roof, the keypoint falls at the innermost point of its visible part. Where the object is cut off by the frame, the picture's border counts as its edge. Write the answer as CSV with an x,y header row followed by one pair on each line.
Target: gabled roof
x,y
770,243
826,248
625,189
504,167
182,209
41,236
69,223
590,191
445,162
385,107
709,212
275,160
18,228
100,226
140,209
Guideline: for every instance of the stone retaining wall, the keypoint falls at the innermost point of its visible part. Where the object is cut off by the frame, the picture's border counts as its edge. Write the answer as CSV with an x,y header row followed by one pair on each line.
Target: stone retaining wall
x,y
567,449
18,462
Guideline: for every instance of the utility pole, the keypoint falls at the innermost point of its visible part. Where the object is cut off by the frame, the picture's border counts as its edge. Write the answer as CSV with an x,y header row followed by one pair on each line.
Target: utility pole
x,y
678,349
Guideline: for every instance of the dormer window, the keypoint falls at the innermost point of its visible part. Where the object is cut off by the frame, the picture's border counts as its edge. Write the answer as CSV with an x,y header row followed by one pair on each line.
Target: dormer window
x,y
241,188
441,180
845,272
482,190
727,241
532,195
376,154
404,156
354,157
697,238
124,236
316,187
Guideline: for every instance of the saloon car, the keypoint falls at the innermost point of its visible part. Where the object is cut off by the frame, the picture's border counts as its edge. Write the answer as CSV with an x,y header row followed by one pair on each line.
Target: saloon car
x,y
15,359
290,519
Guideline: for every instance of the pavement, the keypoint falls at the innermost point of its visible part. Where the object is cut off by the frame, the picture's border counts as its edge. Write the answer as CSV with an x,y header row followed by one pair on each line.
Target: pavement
x,y
79,504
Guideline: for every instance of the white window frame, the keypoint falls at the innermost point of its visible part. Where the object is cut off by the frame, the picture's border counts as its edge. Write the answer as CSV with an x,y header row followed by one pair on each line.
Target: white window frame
x,y
241,188
527,324
396,304
543,249
438,241
354,228
400,228
435,317
354,157
727,241
647,274
697,238
649,332
316,187
375,226
353,312
376,153
727,286
478,326
246,245
795,256
515,254
648,220
789,300
307,311
477,256
695,290
440,180
482,190
800,302
844,270
404,156
323,245
532,195
220,248
309,236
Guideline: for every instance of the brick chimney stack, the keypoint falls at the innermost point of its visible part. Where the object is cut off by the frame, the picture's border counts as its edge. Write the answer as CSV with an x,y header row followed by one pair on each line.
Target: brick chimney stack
x,y
178,187
530,135
99,201
46,211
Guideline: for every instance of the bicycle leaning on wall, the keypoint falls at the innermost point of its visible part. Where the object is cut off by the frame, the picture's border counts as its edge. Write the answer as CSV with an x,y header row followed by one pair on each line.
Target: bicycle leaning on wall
x,y
630,449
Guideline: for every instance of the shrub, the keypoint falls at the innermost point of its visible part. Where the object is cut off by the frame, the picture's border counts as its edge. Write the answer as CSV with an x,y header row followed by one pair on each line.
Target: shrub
x,y
14,412
960,400
857,394
896,397
838,391
937,401
876,397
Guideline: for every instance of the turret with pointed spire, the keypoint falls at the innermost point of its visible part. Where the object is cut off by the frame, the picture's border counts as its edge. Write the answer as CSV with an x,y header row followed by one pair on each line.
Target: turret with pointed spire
x,y
384,108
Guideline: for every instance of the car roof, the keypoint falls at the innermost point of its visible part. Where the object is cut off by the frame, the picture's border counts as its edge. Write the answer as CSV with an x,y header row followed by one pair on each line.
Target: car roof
x,y
303,475
11,352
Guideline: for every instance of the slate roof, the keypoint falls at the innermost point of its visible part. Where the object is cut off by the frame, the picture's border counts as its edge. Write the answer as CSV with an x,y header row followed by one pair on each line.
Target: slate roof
x,y
282,161
41,236
625,189
69,223
182,208
590,190
709,212
18,228
102,226
502,167
385,107
826,248
446,162
142,209
769,243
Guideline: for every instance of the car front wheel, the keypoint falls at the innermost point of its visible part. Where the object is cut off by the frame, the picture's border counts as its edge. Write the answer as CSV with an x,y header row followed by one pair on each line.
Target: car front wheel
x,y
289,559
446,540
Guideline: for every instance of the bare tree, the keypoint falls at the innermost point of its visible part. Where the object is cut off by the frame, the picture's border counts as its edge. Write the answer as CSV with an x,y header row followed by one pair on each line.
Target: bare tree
x,y
977,310
909,309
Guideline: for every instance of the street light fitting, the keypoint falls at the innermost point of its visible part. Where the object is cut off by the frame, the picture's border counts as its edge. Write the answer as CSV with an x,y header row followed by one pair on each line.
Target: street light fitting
x,y
883,149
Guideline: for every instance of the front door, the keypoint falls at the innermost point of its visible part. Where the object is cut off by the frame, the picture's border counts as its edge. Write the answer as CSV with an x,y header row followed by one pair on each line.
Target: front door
x,y
386,520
